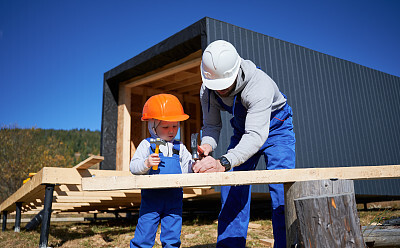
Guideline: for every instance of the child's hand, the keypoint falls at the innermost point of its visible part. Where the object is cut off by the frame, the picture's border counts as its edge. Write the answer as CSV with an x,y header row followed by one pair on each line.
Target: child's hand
x,y
152,160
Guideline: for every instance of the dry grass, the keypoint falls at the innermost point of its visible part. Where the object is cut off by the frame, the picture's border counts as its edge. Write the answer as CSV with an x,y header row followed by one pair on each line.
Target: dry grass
x,y
197,232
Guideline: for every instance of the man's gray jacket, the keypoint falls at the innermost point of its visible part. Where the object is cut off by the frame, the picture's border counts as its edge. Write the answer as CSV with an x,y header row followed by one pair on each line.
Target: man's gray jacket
x,y
259,95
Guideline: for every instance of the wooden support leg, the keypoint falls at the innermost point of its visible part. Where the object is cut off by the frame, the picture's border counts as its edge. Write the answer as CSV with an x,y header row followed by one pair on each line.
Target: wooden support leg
x,y
17,227
44,231
4,221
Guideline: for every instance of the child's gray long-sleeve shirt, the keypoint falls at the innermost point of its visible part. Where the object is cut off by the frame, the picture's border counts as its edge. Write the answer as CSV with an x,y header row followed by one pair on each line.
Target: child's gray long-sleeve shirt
x,y
138,167
259,95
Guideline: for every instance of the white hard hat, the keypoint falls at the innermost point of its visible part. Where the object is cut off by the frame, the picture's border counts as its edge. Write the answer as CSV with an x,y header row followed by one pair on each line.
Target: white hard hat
x,y
219,65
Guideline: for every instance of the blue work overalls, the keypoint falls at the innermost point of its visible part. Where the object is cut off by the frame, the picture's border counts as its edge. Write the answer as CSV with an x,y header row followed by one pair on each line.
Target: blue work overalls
x,y
279,153
161,204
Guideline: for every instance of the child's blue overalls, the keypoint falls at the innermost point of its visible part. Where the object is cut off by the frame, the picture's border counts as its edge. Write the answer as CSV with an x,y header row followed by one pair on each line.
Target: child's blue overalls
x,y
161,204
279,153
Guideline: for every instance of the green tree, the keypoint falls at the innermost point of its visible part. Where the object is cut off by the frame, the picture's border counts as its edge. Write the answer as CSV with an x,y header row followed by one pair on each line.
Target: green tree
x,y
29,150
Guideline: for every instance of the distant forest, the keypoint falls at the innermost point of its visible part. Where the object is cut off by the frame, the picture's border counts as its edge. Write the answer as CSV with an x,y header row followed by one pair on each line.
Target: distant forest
x,y
28,150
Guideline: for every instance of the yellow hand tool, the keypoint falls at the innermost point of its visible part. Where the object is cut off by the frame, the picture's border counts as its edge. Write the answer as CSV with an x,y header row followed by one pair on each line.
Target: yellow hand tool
x,y
158,142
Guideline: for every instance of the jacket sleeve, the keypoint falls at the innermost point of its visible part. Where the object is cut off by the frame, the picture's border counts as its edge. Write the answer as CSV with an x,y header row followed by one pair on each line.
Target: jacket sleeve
x,y
211,118
185,159
257,99
137,165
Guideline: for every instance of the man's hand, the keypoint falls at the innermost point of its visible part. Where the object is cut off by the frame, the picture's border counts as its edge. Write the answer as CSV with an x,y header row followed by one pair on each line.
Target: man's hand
x,y
204,150
208,164
152,160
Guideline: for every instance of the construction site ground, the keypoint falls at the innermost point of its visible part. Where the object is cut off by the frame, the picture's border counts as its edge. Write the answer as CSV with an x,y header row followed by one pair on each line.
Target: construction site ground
x,y
198,231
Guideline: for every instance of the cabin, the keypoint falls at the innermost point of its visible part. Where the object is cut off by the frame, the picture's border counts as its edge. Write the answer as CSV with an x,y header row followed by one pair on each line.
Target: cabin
x,y
345,114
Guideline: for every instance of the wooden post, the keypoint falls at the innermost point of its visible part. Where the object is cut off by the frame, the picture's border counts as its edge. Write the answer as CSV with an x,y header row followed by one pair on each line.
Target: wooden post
x,y
329,221
308,189
123,129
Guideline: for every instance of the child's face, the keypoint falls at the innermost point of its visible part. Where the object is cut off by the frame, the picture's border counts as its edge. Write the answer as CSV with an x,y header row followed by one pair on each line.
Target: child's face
x,y
167,130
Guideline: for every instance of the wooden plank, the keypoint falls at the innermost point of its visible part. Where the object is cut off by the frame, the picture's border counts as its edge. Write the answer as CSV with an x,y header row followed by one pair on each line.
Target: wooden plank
x,y
53,175
192,82
24,190
189,62
162,83
80,198
71,177
191,99
89,162
189,88
267,242
184,75
239,178
64,191
86,200
382,236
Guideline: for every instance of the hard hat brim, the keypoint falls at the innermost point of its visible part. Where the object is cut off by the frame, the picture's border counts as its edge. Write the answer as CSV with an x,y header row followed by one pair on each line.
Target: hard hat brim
x,y
169,118
220,83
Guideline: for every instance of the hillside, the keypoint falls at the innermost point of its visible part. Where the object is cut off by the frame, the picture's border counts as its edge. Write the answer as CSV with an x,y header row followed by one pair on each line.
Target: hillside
x,y
28,150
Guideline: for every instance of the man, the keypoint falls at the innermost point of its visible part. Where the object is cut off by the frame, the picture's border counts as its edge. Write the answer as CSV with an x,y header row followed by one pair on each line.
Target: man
x,y
262,125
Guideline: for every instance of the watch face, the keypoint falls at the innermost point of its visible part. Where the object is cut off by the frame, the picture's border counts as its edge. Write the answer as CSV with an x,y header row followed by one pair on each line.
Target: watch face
x,y
225,163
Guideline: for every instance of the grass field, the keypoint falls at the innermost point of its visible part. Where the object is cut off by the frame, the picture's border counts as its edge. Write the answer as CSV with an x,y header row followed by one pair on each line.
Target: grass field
x,y
197,232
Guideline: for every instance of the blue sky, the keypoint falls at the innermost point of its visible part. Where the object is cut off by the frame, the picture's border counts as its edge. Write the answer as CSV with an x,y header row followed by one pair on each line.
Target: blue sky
x,y
53,54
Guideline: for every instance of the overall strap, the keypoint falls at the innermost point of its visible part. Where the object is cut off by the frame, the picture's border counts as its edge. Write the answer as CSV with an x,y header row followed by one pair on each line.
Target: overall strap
x,y
176,149
231,110
209,95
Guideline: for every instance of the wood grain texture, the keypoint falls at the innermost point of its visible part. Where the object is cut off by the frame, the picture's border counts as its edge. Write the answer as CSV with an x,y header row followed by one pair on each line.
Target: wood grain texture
x,y
382,236
308,189
239,177
329,221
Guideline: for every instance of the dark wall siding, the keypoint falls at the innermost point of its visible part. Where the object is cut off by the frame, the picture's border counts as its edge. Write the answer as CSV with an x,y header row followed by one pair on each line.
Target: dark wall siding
x,y
345,114
109,129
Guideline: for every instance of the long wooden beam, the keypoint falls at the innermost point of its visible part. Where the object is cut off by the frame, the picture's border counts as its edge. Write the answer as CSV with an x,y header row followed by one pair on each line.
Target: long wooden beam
x,y
53,175
239,178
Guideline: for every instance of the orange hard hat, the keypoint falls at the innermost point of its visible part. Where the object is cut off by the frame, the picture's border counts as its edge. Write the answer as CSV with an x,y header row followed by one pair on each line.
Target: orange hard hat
x,y
164,107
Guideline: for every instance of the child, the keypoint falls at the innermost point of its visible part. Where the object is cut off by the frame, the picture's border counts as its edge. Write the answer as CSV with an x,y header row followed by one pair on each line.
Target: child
x,y
163,113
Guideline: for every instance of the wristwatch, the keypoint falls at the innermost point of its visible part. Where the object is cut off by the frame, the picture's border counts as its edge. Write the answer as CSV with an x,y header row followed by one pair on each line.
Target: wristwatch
x,y
225,163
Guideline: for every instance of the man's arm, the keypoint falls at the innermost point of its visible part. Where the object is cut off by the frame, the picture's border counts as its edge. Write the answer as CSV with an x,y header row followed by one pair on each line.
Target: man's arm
x,y
257,98
212,123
